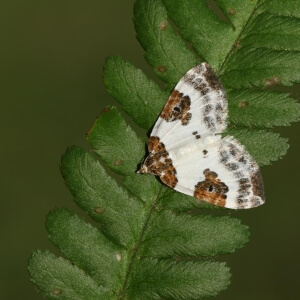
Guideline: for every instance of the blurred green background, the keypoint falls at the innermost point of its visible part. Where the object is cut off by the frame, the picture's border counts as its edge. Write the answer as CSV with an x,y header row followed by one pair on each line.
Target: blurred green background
x,y
52,55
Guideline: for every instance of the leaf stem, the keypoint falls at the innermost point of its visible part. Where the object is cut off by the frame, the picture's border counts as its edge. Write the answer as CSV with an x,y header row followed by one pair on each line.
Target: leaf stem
x,y
237,39
136,247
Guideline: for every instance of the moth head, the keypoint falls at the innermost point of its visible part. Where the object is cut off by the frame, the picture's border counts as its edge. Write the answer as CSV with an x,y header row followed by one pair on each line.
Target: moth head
x,y
143,169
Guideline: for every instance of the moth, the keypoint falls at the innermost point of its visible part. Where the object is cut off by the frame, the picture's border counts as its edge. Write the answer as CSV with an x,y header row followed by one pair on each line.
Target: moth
x,y
188,153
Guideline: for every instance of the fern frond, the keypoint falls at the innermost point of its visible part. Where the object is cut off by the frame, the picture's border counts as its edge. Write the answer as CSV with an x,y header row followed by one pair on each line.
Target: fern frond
x,y
147,246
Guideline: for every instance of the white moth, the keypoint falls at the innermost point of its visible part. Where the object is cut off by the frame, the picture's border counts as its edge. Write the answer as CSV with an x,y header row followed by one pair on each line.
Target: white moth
x,y
188,153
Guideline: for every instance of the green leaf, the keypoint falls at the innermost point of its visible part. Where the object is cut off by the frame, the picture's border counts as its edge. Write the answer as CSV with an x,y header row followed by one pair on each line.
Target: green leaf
x,y
261,67
171,279
168,234
115,142
143,187
211,37
85,246
273,31
139,96
58,278
252,108
284,8
165,50
98,194
148,244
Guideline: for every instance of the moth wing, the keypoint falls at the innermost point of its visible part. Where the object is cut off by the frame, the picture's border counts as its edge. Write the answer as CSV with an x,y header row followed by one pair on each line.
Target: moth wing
x,y
219,171
188,153
196,108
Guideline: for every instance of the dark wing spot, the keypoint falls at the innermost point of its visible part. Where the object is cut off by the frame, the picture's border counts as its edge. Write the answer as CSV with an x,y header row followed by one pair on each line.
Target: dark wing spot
x,y
177,108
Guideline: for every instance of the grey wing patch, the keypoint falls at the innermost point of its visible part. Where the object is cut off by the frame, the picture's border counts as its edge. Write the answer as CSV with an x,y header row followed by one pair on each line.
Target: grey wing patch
x,y
214,110
238,161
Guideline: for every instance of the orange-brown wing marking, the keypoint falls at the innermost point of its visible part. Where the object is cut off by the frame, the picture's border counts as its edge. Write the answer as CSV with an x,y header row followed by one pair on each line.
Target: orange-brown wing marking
x,y
159,163
212,189
177,108
169,178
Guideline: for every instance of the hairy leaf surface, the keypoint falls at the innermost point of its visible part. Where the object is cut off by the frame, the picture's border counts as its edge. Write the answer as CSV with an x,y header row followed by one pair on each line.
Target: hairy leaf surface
x,y
58,278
